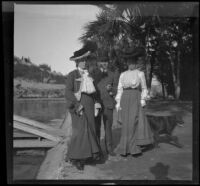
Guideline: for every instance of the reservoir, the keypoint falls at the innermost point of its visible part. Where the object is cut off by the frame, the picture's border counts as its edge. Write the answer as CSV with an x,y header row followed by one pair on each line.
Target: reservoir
x,y
26,163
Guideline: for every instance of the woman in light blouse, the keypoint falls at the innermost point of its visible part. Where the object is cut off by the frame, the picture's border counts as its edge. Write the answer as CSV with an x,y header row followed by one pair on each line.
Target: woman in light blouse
x,y
130,98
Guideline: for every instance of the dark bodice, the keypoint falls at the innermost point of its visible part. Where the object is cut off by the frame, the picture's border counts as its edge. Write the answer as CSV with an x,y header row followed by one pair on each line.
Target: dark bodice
x,y
72,86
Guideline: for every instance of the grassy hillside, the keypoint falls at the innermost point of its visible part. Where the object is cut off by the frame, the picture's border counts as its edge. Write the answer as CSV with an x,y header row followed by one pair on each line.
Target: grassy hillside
x,y
25,69
30,89
36,81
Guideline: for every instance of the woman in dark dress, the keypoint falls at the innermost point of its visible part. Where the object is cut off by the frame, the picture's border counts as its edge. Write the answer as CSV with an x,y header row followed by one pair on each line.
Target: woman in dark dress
x,y
80,98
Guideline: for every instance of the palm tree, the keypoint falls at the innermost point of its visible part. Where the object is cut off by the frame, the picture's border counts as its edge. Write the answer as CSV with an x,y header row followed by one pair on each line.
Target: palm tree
x,y
120,25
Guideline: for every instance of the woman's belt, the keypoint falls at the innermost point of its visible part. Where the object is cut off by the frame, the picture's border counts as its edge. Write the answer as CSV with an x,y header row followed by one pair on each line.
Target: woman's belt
x,y
88,94
129,88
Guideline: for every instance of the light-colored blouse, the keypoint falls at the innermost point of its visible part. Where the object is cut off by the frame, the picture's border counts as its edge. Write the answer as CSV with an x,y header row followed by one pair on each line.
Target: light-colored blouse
x,y
86,85
131,79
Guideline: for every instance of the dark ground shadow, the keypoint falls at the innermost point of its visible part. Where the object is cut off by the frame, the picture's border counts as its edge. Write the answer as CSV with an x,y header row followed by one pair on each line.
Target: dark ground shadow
x,y
177,107
116,134
164,123
160,171
172,140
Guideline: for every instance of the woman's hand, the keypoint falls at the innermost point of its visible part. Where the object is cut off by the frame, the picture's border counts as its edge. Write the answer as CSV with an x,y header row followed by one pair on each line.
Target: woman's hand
x,y
118,107
143,103
79,110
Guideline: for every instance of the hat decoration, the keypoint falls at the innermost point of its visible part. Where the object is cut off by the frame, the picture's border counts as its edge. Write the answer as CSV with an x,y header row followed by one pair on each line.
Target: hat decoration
x,y
88,48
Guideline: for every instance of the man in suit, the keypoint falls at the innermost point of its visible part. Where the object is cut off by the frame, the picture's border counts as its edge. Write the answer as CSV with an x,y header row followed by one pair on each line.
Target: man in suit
x,y
106,81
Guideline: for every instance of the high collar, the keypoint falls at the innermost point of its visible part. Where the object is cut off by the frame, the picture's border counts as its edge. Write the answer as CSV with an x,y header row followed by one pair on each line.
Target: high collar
x,y
82,71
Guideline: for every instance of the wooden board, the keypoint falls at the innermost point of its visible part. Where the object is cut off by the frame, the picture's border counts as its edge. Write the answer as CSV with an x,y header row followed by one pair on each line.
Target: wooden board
x,y
36,131
21,134
32,122
29,122
33,144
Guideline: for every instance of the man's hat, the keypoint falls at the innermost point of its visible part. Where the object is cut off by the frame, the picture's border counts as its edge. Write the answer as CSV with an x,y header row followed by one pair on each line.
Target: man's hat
x,y
134,52
88,48
103,59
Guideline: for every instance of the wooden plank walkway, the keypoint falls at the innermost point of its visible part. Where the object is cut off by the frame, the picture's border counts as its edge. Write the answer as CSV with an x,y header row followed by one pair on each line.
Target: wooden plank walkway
x,y
21,134
32,123
33,144
25,130
36,131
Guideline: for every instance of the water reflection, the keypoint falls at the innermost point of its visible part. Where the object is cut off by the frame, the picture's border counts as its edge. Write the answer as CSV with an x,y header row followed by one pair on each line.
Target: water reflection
x,y
26,166
40,110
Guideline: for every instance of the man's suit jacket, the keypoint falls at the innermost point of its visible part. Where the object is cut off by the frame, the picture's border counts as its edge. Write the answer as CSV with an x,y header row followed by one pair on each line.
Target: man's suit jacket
x,y
101,80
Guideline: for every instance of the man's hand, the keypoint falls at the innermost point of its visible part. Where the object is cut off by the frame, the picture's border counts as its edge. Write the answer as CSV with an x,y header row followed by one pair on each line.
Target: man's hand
x,y
97,105
111,93
109,87
96,112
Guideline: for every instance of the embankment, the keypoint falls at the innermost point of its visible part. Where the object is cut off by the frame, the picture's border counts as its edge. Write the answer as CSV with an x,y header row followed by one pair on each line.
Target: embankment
x,y
31,89
51,166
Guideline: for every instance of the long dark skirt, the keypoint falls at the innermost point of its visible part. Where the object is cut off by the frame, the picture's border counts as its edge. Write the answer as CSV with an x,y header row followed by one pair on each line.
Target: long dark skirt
x,y
84,142
135,127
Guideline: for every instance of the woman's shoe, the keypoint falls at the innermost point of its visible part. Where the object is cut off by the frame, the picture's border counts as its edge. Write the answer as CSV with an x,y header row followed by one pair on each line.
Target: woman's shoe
x,y
136,155
124,155
73,162
80,165
111,153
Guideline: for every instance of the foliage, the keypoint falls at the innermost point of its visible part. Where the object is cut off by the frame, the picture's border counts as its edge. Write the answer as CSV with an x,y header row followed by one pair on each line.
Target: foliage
x,y
45,67
34,72
163,29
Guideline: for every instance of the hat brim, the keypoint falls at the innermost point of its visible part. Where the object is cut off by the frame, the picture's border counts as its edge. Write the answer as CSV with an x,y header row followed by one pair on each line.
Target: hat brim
x,y
129,55
138,52
74,58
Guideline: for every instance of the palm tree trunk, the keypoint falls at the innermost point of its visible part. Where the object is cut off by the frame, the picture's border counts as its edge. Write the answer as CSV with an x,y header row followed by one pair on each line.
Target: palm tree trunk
x,y
162,81
148,64
173,73
148,72
163,87
152,61
177,87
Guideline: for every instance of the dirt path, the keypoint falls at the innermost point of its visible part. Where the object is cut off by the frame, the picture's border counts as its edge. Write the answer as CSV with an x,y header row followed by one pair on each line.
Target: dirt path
x,y
165,163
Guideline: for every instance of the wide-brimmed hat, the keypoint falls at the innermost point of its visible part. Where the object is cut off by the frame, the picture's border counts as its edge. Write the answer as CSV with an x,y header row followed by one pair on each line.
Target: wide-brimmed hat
x,y
134,52
88,48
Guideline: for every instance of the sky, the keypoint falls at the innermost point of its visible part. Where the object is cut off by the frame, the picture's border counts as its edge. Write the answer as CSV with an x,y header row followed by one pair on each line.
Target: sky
x,y
49,33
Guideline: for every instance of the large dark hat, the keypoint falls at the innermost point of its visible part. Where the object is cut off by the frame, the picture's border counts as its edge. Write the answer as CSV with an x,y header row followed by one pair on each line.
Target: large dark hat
x,y
134,52
88,48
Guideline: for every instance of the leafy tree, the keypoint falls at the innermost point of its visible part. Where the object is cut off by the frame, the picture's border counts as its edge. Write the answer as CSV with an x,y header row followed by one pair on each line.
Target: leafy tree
x,y
35,73
45,67
156,26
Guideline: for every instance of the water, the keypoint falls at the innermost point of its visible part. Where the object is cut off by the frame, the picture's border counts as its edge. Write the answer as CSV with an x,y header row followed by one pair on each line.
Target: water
x,y
40,110
26,164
